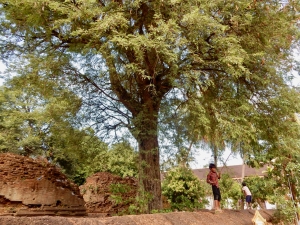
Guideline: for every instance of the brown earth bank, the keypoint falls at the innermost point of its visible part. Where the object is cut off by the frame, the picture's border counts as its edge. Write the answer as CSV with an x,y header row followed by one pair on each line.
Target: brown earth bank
x,y
201,217
110,194
34,186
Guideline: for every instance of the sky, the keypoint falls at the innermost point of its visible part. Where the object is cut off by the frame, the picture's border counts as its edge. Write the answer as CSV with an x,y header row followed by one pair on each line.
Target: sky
x,y
2,67
203,158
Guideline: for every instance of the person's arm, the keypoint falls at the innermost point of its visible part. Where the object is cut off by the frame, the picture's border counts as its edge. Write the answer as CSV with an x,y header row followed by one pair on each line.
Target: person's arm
x,y
244,192
208,179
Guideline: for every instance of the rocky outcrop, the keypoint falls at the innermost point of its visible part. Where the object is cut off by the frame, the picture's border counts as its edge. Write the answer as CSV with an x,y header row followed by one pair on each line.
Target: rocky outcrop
x,y
108,194
32,186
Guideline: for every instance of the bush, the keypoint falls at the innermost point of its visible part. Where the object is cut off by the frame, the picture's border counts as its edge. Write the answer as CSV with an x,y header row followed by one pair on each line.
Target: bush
x,y
285,212
230,191
184,190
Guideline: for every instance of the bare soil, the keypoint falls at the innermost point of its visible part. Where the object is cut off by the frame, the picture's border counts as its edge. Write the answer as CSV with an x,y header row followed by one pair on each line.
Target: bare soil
x,y
202,217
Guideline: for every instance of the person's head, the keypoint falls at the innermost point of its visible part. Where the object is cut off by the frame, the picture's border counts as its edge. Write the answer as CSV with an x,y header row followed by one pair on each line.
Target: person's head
x,y
244,184
212,167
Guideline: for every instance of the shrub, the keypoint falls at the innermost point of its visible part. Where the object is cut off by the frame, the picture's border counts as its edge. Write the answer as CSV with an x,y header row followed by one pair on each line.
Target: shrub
x,y
183,189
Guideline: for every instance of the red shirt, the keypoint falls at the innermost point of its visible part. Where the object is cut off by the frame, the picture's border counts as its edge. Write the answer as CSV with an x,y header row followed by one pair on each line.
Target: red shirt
x,y
213,178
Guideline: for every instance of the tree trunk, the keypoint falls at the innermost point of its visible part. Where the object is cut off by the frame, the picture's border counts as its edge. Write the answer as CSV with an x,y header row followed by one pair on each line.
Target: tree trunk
x,y
243,171
293,190
242,204
149,174
145,128
261,203
215,153
149,165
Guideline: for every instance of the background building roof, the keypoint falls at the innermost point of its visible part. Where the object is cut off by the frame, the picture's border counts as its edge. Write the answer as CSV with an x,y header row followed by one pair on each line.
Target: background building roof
x,y
234,171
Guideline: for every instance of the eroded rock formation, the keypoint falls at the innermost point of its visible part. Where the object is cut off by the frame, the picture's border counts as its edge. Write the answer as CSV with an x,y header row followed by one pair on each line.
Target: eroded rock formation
x,y
34,186
108,194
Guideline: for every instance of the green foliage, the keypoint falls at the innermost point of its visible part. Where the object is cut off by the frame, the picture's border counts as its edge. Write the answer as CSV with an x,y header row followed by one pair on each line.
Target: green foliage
x,y
285,212
117,192
260,188
79,178
279,186
230,192
283,173
140,202
36,122
119,159
41,121
122,160
38,119
183,189
119,188
161,211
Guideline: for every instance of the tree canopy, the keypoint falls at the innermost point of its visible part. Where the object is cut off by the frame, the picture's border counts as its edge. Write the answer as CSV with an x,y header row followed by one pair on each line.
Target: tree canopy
x,y
39,120
225,61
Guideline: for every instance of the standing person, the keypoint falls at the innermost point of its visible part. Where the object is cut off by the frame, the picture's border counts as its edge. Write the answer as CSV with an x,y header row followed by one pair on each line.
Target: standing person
x,y
247,194
213,179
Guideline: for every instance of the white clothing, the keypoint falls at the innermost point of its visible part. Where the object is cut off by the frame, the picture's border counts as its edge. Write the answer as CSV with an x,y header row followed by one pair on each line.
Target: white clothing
x,y
247,191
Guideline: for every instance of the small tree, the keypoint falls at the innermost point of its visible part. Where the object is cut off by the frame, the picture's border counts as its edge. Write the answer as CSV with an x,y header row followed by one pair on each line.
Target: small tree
x,y
285,212
183,189
284,175
230,192
260,189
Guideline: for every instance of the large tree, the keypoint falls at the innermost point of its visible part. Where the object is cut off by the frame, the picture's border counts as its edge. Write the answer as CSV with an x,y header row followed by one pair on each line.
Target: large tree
x,y
128,56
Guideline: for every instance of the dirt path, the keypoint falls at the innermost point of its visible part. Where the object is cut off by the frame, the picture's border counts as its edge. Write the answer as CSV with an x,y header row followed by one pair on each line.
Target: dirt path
x,y
203,217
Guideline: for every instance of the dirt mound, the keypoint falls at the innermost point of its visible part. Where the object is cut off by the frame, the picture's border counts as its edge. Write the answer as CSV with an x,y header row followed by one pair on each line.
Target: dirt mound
x,y
33,184
108,194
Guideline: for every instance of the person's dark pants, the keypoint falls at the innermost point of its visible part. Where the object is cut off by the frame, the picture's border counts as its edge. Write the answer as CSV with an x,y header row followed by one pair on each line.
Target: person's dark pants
x,y
216,193
248,198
